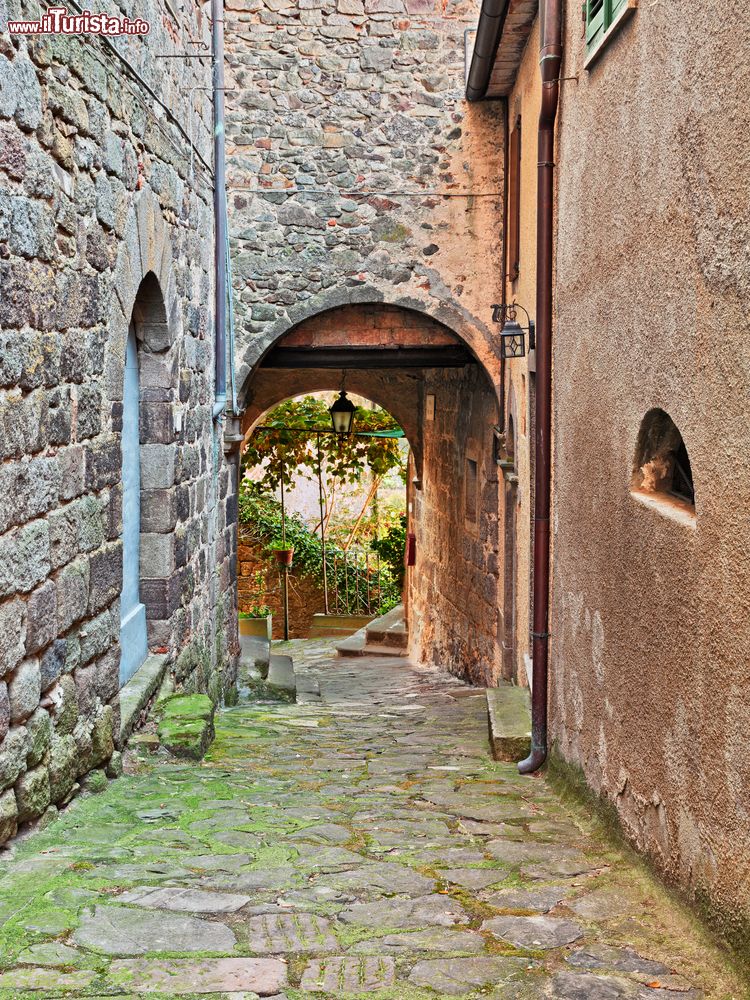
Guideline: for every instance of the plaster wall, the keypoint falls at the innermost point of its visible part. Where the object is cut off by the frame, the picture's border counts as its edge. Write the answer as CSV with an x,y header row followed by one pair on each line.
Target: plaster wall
x,y
650,683
99,190
523,102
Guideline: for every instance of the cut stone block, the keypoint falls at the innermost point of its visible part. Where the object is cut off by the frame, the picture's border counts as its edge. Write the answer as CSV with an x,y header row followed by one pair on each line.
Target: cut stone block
x,y
281,674
287,932
342,974
261,976
255,652
187,725
138,692
509,716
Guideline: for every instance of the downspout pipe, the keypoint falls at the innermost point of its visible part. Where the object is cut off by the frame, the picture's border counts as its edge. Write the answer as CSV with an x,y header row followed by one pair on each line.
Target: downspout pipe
x,y
220,212
550,62
489,31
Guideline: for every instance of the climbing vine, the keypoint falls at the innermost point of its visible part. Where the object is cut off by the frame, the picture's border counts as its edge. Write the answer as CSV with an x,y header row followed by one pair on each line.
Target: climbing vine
x,y
260,520
284,447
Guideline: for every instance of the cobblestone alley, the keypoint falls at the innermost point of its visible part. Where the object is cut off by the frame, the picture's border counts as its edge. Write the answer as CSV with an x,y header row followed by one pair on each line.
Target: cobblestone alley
x,y
365,844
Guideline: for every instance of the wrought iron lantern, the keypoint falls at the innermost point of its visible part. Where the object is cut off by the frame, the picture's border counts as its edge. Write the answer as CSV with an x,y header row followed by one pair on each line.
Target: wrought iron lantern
x,y
342,414
512,334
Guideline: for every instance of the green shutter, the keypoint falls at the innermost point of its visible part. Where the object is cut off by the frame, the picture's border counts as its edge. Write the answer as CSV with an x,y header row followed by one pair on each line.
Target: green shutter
x,y
594,21
616,6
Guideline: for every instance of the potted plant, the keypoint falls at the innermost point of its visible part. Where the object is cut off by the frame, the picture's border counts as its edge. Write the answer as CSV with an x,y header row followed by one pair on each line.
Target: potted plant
x,y
257,620
283,552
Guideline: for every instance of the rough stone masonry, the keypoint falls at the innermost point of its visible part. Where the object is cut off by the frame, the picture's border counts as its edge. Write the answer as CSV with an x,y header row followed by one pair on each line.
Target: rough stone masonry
x,y
361,181
99,190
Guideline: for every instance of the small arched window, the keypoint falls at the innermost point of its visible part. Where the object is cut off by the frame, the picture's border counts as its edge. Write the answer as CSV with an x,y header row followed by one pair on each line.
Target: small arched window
x,y
662,465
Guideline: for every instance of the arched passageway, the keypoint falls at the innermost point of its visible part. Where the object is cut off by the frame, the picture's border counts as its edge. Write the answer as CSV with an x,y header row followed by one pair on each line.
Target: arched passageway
x,y
428,377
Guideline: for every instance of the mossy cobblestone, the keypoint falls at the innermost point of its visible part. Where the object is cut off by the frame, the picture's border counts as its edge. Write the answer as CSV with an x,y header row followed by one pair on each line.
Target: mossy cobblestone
x,y
307,856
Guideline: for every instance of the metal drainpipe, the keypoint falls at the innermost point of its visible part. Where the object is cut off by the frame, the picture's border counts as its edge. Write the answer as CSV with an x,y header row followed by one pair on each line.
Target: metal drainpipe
x,y
550,63
504,253
220,215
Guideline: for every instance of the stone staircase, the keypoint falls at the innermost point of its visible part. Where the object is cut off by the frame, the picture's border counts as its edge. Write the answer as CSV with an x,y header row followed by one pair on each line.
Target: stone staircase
x,y
337,626
384,636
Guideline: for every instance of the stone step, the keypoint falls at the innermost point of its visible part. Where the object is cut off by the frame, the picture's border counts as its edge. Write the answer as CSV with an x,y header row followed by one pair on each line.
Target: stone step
x,y
337,626
509,716
358,645
308,689
137,695
352,646
186,727
255,652
281,674
388,630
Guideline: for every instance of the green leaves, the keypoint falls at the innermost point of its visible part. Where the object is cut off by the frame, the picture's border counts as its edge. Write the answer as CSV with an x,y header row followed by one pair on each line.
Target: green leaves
x,y
284,448
260,521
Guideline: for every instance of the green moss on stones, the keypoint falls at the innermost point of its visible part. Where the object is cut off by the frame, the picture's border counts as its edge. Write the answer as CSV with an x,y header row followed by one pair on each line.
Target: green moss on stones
x,y
186,728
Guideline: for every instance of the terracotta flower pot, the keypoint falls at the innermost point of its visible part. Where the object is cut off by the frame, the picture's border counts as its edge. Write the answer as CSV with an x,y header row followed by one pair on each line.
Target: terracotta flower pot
x,y
284,556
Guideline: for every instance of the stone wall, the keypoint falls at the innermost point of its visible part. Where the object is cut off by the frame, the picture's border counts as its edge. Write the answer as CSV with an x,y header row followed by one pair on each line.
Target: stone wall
x,y
452,591
358,175
99,190
305,595
650,624
356,170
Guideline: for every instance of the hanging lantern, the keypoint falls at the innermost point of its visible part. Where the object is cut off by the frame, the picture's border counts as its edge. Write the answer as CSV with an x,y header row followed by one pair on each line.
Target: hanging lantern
x,y
512,334
342,414
512,340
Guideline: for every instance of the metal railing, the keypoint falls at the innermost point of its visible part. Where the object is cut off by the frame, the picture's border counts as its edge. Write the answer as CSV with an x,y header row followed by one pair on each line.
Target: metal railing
x,y
355,582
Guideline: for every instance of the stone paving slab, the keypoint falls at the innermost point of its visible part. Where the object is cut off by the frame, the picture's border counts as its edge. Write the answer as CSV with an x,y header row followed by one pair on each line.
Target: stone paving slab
x,y
185,900
438,910
458,976
534,932
368,841
288,932
433,939
264,977
118,930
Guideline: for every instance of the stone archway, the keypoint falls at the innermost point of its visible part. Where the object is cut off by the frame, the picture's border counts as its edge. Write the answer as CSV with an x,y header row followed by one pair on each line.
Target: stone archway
x,y
430,377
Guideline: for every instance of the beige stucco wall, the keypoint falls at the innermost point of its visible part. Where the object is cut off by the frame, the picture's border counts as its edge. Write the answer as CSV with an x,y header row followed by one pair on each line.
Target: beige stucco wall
x,y
524,100
651,632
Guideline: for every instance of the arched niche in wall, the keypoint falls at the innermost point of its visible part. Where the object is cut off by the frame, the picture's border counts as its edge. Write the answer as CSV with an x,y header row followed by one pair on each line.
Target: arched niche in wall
x,y
662,473
147,479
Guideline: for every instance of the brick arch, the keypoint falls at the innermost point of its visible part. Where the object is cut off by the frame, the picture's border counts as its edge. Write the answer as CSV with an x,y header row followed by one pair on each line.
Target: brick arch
x,y
467,328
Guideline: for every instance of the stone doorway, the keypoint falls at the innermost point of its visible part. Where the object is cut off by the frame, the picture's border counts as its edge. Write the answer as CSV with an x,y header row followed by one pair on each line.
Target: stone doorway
x,y
133,636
